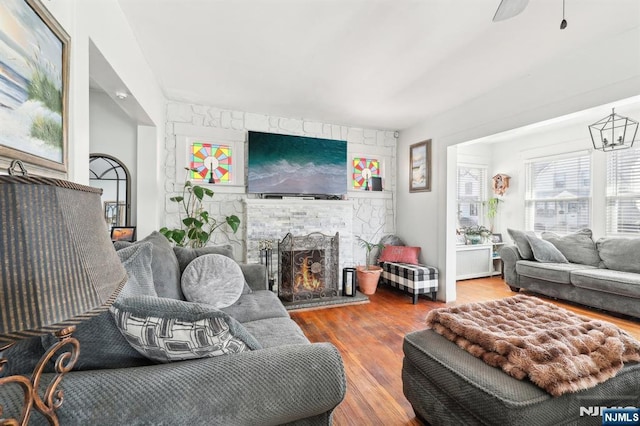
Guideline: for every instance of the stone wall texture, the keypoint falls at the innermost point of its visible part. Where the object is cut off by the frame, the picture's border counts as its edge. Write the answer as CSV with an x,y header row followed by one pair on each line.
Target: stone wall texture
x,y
367,214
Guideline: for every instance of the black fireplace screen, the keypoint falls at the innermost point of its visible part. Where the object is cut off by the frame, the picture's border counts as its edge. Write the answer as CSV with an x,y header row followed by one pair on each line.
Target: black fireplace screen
x,y
308,267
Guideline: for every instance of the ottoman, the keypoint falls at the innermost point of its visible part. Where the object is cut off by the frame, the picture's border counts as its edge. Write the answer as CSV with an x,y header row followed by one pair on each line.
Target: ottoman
x,y
413,279
448,386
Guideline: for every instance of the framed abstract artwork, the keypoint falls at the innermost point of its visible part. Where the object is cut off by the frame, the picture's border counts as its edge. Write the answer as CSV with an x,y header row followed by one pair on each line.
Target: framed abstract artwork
x,y
363,170
210,163
34,85
420,167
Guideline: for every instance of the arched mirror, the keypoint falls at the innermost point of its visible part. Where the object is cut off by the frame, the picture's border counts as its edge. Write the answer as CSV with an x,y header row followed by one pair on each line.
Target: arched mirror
x,y
113,177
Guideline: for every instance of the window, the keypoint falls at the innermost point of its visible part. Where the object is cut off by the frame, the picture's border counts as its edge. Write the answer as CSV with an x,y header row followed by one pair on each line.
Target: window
x,y
623,192
472,193
558,193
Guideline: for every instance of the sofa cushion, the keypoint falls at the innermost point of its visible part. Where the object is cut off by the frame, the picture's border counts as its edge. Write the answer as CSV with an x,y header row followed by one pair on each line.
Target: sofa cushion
x,y
577,247
186,255
544,251
258,305
101,343
166,330
22,357
520,240
276,332
608,281
213,279
559,273
620,254
164,265
401,254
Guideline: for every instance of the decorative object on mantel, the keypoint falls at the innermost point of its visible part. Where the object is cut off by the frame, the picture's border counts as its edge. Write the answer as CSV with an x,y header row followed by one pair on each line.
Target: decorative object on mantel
x,y
500,183
198,224
369,275
59,268
364,169
613,132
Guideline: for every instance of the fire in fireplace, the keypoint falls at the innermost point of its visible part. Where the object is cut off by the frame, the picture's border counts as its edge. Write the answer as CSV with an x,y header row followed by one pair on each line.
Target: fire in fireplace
x,y
308,267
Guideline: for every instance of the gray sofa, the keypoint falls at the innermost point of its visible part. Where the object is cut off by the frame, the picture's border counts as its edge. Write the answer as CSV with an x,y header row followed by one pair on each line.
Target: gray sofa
x,y
283,379
603,274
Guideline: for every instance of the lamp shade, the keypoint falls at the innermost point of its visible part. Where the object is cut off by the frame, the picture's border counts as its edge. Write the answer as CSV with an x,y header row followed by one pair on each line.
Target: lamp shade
x,y
58,266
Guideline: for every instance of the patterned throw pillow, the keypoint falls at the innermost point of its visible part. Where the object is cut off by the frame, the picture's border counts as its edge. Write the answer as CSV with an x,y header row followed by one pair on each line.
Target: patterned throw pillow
x,y
166,330
400,254
213,279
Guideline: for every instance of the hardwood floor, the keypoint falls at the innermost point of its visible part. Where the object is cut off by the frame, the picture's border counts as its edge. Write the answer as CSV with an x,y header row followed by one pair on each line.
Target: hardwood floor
x,y
369,337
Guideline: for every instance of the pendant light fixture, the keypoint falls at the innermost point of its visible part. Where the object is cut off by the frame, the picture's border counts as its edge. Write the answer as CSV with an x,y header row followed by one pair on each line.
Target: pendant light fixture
x,y
613,132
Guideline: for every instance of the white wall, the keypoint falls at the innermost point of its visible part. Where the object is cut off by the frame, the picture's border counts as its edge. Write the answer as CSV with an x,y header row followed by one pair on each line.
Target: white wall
x,y
113,132
566,84
102,22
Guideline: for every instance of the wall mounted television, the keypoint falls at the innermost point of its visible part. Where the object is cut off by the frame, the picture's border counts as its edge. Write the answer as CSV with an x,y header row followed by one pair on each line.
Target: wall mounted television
x,y
296,165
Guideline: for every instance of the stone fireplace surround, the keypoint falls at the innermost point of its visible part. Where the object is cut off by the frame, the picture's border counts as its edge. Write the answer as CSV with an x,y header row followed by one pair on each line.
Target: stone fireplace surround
x,y
269,219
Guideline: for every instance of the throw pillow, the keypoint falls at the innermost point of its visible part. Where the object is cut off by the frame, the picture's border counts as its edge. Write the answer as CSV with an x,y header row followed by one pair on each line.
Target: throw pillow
x,y
213,279
521,242
578,247
101,343
401,254
620,254
544,251
166,330
136,260
186,255
164,265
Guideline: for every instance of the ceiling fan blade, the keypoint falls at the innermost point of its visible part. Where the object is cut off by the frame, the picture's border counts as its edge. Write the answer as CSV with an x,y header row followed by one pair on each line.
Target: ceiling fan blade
x,y
509,8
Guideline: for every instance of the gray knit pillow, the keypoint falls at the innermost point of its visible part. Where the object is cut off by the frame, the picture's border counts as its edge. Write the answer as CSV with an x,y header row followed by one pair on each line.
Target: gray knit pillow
x,y
213,279
521,242
166,330
136,260
577,247
544,251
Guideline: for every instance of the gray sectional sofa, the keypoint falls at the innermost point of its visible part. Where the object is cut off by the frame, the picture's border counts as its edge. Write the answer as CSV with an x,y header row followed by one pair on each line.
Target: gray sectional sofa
x,y
268,373
603,274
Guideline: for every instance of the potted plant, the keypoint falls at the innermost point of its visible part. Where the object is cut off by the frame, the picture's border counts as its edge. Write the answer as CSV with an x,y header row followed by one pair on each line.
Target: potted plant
x,y
476,234
492,209
198,224
368,275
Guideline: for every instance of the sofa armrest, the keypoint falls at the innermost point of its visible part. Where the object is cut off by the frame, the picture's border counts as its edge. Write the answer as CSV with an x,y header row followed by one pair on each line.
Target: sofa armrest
x,y
256,275
264,387
510,256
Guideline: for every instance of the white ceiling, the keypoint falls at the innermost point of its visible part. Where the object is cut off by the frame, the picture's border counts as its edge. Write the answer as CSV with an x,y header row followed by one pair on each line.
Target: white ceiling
x,y
385,64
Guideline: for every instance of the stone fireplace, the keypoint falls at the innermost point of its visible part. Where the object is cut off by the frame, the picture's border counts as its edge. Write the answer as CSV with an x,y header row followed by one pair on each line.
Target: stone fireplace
x,y
308,267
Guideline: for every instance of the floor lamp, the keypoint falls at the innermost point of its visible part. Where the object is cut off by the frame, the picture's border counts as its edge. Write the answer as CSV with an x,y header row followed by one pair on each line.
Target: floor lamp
x,y
58,268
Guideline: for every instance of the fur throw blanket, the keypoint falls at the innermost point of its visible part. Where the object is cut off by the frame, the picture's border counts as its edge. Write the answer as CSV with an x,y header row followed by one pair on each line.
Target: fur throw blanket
x,y
556,349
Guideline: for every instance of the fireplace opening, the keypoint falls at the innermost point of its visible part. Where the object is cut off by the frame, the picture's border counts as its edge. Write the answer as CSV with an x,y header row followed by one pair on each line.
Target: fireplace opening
x,y
308,267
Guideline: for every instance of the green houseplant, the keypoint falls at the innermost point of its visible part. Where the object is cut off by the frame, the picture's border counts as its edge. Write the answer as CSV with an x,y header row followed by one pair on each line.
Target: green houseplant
x,y
368,275
492,209
475,234
197,223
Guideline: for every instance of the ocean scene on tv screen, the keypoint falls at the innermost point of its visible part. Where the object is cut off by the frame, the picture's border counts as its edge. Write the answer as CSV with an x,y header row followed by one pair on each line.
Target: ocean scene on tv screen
x,y
283,164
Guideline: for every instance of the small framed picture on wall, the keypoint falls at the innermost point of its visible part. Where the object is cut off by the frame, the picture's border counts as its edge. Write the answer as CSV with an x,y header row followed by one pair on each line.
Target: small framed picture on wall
x,y
420,167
